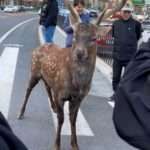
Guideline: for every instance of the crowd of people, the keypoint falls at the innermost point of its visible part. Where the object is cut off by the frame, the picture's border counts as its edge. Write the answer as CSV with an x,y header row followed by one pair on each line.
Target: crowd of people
x,y
131,101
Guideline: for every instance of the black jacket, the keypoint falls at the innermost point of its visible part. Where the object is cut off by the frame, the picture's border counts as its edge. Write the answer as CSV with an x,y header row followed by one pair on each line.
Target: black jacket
x,y
8,140
126,35
131,114
49,13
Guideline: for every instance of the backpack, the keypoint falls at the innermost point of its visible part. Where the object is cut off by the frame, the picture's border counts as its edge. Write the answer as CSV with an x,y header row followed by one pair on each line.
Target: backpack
x,y
43,14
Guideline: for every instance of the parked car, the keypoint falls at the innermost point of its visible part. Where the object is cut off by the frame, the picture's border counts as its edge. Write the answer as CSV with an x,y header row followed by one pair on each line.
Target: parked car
x,y
11,8
93,13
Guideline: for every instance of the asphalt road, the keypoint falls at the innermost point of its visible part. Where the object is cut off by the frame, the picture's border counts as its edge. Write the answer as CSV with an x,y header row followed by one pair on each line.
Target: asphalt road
x,y
37,130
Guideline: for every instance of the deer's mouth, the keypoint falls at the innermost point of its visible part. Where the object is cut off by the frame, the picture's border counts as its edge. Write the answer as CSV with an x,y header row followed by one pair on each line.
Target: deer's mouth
x,y
81,59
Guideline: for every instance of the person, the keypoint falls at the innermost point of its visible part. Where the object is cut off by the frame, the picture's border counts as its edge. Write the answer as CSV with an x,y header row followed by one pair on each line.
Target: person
x,y
126,32
79,6
131,114
8,140
48,19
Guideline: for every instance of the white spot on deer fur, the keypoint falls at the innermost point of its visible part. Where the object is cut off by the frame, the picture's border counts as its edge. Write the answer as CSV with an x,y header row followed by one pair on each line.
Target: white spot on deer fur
x,y
62,71
67,59
33,63
56,78
58,73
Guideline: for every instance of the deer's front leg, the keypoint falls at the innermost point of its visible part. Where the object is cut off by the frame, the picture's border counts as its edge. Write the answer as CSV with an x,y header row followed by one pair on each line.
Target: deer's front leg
x,y
60,118
73,111
51,99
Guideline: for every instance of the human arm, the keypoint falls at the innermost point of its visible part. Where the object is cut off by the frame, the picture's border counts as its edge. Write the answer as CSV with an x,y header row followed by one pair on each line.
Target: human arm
x,y
67,26
138,30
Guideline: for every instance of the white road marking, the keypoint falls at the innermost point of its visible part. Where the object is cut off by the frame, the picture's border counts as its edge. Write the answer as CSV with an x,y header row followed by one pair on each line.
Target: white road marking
x,y
41,36
81,124
8,61
13,45
112,104
14,28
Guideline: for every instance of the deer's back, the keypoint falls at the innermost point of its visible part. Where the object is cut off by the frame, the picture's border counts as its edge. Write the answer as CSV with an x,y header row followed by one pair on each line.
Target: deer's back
x,y
53,64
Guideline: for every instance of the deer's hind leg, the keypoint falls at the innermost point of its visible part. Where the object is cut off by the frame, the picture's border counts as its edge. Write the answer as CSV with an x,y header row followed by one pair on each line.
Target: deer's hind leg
x,y
33,81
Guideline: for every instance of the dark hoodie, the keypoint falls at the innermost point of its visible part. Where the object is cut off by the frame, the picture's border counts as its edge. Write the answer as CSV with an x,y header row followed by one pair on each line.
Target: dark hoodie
x,y
49,13
131,114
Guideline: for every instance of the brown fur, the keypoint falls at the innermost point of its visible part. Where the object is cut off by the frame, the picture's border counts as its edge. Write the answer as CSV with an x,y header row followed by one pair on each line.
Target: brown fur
x,y
67,74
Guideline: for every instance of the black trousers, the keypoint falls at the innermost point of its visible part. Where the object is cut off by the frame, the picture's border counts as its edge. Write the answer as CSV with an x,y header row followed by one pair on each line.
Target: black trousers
x,y
117,70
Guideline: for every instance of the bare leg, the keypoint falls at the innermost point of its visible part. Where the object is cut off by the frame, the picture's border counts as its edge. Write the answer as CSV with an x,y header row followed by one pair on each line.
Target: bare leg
x,y
60,118
32,83
73,111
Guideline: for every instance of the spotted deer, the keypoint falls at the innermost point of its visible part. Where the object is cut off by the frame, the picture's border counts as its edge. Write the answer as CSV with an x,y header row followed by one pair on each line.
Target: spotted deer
x,y
67,72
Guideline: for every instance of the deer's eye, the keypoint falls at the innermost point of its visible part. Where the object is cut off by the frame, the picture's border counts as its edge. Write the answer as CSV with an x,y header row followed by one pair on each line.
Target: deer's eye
x,y
92,41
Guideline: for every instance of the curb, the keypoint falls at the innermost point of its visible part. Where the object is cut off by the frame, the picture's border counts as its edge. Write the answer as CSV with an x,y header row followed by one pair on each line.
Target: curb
x,y
100,64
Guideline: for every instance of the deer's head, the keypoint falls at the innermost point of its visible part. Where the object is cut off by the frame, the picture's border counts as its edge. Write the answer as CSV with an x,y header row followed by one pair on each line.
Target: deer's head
x,y
84,42
84,39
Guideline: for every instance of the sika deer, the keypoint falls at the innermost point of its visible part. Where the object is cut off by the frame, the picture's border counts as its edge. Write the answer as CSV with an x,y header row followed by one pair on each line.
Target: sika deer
x,y
67,74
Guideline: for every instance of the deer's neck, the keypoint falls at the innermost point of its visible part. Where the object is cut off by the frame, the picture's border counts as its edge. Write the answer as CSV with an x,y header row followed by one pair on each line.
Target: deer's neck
x,y
82,74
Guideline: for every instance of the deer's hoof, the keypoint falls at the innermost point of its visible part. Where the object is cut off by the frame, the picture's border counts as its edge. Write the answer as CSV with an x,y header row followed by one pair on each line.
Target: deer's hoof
x,y
56,147
20,116
75,147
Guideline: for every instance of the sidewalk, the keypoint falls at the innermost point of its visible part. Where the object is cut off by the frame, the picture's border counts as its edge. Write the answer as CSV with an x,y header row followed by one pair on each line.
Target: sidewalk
x,y
101,85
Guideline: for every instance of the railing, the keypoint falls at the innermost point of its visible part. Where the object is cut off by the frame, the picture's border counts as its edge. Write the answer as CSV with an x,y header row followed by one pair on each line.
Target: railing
x,y
105,48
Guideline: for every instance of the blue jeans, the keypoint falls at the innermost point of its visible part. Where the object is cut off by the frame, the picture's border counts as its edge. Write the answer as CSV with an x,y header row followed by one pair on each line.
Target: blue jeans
x,y
49,33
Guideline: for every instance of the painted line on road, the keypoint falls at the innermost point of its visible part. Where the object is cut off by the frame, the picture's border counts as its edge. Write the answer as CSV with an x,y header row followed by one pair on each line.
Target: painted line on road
x,y
40,32
13,45
82,125
14,28
8,61
112,104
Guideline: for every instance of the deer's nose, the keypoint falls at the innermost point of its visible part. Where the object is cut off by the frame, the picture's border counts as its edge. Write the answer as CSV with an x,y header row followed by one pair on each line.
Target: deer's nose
x,y
80,54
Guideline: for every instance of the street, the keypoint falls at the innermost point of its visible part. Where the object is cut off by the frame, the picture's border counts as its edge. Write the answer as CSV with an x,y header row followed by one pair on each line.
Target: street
x,y
18,38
